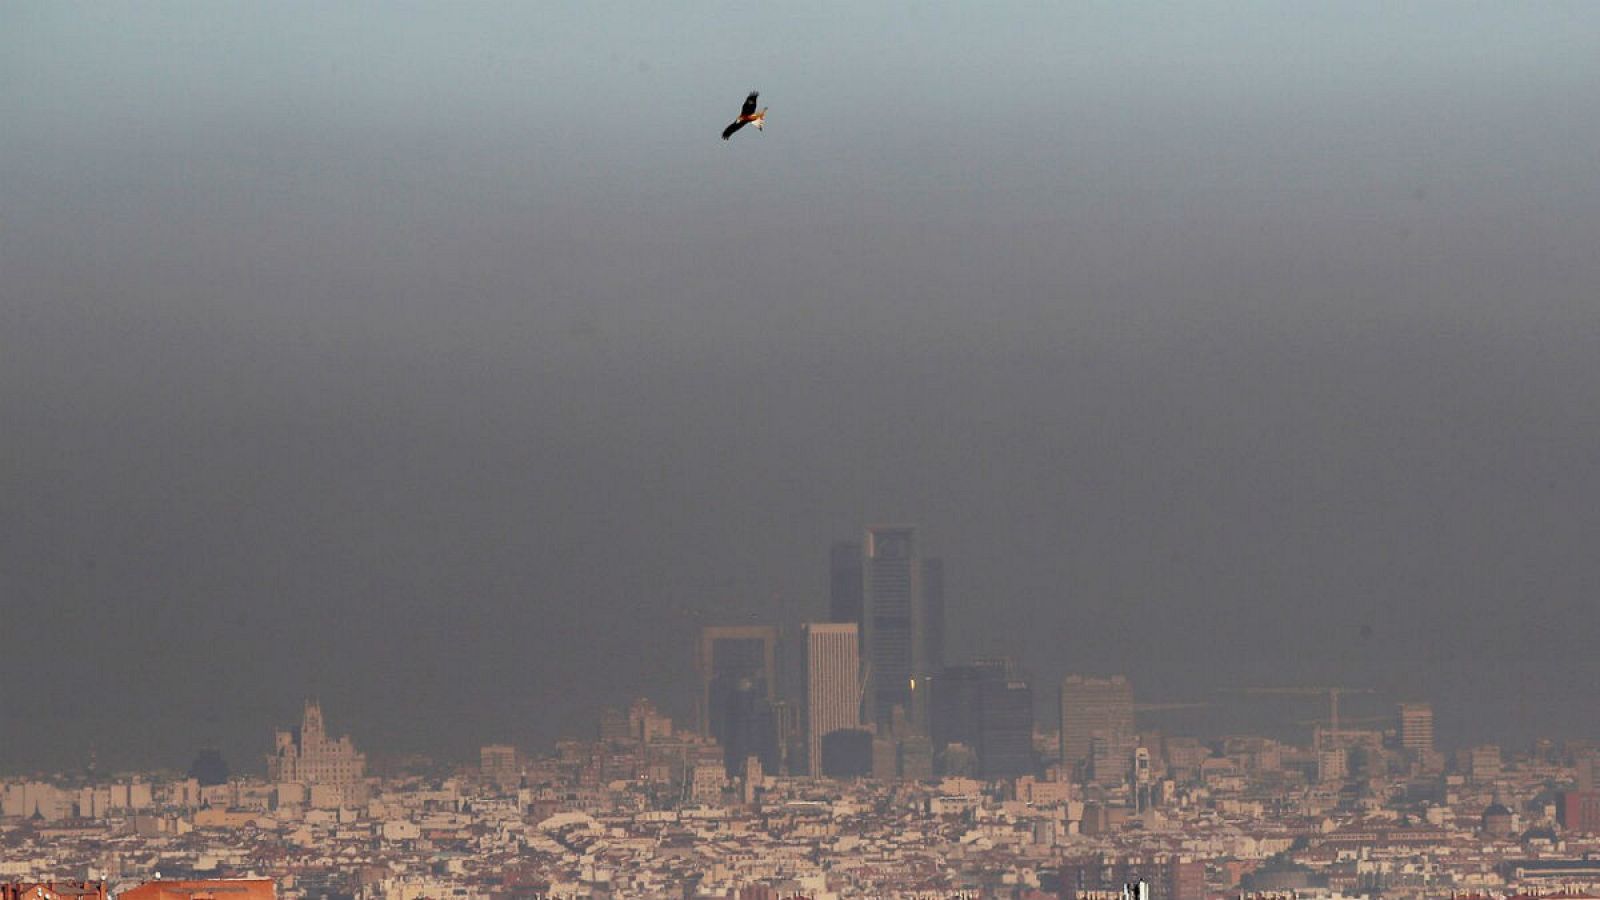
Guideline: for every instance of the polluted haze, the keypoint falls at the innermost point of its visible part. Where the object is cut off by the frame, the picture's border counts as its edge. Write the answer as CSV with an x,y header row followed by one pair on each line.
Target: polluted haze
x,y
443,363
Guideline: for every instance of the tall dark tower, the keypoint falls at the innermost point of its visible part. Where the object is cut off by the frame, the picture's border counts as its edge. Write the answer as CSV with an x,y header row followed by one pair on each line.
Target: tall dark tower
x,y
988,709
954,715
729,655
893,619
749,727
844,582
1005,729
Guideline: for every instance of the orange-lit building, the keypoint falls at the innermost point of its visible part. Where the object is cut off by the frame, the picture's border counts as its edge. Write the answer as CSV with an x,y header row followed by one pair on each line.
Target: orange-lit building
x,y
204,889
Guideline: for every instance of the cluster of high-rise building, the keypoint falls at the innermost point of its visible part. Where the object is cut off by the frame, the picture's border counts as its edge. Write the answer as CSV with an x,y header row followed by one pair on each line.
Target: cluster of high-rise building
x,y
868,691
873,694
845,756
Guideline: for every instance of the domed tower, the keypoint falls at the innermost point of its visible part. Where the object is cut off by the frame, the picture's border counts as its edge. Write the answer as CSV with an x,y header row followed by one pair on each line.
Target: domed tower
x,y
1498,820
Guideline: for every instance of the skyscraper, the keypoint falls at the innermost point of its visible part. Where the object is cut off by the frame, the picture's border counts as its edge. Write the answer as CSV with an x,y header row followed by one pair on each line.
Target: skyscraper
x,y
893,618
953,717
1416,728
985,708
844,582
833,684
896,599
1096,708
750,728
1005,729
729,654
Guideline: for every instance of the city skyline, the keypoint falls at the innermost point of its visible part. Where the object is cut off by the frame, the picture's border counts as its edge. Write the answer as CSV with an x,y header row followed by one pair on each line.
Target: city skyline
x,y
306,754
723,654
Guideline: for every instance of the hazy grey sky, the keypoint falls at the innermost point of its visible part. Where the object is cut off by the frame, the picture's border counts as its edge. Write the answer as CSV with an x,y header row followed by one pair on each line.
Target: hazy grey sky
x,y
441,361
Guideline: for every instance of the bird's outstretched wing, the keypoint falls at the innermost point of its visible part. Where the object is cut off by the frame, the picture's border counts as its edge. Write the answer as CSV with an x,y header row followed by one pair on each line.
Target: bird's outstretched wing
x,y
728,132
749,104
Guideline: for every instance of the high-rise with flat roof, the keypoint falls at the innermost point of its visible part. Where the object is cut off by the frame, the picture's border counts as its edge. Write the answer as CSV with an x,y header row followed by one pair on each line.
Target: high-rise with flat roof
x,y
893,618
988,709
498,763
1005,729
1416,728
833,684
953,716
1096,708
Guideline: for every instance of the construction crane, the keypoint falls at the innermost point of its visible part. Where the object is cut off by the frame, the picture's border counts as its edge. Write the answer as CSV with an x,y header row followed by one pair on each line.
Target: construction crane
x,y
1322,734
1167,707
1332,692
1360,720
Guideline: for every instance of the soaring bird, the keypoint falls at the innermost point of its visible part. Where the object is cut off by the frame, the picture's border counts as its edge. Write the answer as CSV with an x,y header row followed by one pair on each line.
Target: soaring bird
x,y
746,116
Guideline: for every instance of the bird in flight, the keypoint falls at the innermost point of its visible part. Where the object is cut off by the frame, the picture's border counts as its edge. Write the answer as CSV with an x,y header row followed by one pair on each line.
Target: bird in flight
x,y
747,115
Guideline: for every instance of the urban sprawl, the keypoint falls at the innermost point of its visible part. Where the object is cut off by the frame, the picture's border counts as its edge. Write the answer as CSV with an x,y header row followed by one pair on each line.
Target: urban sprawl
x,y
857,762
